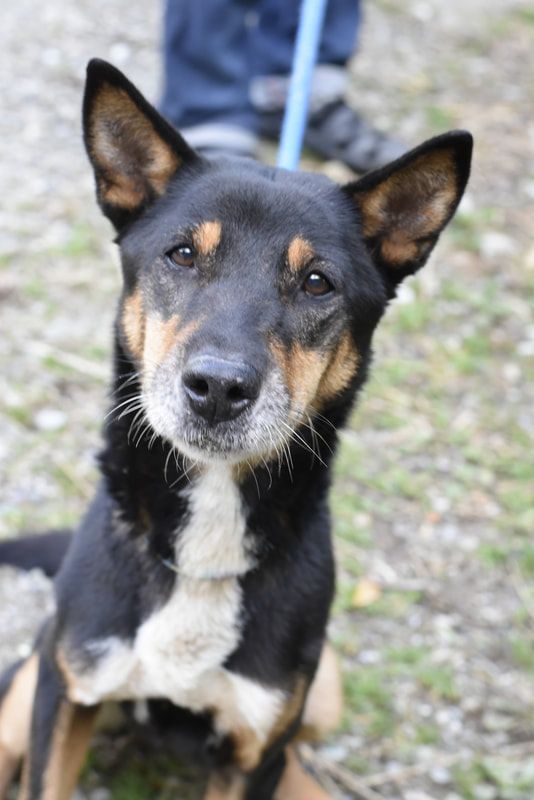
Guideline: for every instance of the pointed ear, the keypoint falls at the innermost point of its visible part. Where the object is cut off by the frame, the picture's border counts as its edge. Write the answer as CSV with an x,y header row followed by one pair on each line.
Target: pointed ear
x,y
133,149
405,206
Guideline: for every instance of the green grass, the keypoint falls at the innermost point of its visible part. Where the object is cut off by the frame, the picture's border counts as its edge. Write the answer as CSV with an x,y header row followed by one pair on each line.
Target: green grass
x,y
83,241
522,649
511,780
438,680
132,774
369,701
468,226
426,734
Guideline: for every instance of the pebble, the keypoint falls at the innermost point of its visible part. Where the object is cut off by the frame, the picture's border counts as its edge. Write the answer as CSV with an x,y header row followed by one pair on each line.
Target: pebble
x,y
416,794
494,244
335,752
100,794
49,419
484,791
369,657
440,775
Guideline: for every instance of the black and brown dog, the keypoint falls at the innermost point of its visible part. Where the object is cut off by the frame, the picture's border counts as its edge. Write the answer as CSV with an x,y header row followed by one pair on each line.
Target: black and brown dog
x,y
201,577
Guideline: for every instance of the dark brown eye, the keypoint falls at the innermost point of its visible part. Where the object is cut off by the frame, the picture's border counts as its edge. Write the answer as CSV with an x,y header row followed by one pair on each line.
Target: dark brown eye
x,y
182,256
317,285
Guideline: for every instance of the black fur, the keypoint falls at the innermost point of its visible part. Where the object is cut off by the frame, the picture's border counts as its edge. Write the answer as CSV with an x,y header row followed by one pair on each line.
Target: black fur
x,y
45,552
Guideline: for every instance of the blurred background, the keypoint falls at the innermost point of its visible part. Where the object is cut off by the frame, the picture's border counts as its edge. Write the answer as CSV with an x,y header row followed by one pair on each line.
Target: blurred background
x,y
434,490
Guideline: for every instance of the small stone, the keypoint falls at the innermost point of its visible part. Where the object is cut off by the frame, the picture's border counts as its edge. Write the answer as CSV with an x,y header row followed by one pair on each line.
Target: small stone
x,y
100,794
369,657
120,52
494,244
484,791
49,419
511,372
441,776
335,752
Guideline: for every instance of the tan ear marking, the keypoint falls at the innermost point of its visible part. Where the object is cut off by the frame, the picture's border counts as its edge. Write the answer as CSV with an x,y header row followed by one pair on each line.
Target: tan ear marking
x,y
398,249
207,237
299,253
131,157
416,201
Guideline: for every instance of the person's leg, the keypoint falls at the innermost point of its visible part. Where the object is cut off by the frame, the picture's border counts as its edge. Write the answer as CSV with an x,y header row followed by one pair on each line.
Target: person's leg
x,y
206,71
272,43
334,129
273,37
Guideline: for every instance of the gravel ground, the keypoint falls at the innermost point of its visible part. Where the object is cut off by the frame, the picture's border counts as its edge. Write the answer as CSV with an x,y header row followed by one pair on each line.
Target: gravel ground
x,y
433,498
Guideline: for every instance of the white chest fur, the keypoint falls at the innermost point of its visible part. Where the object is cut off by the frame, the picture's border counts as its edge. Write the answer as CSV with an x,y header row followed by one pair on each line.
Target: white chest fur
x,y
179,650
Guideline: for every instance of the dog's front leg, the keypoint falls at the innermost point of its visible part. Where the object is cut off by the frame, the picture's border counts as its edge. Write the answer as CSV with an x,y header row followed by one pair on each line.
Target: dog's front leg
x,y
233,784
282,778
60,735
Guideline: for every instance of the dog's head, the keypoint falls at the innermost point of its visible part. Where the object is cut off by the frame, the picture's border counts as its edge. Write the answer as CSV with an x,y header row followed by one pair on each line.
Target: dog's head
x,y
250,293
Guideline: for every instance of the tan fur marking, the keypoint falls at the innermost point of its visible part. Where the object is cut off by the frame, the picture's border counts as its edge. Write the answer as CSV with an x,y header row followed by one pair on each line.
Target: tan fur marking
x,y
324,704
397,250
133,323
340,371
132,157
70,741
302,370
162,336
291,710
15,715
226,787
412,204
207,236
296,784
120,191
8,768
67,672
299,253
248,748
311,377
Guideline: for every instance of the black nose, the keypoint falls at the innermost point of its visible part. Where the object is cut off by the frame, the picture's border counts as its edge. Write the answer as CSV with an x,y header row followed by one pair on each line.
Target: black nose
x,y
220,390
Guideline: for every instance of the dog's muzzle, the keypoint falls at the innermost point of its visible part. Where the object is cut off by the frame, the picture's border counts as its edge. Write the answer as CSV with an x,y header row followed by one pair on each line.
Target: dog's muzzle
x,y
219,390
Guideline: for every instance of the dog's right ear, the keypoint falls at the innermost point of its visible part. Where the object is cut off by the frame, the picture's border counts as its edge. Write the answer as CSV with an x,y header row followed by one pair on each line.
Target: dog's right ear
x,y
133,149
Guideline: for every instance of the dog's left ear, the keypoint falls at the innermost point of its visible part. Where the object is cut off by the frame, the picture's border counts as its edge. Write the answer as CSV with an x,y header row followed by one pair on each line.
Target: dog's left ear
x,y
133,149
405,205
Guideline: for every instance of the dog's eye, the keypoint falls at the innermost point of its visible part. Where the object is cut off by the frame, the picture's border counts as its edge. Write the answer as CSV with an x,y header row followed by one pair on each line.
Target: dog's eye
x,y
182,256
317,285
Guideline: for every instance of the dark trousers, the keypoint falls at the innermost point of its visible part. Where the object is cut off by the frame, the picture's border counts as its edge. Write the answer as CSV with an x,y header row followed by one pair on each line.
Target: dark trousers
x,y
214,48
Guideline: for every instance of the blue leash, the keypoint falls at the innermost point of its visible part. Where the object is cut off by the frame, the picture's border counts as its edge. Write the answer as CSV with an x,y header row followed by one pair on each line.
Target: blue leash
x,y
296,113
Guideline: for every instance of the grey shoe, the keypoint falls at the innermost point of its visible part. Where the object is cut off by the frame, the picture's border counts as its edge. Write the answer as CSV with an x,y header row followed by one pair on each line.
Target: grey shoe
x,y
336,131
214,139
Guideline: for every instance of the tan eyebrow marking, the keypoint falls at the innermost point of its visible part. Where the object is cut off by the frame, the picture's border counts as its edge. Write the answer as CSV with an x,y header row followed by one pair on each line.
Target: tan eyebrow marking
x,y
299,253
207,236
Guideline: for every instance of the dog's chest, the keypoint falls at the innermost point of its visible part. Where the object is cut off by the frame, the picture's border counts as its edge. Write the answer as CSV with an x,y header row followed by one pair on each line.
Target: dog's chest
x,y
179,650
